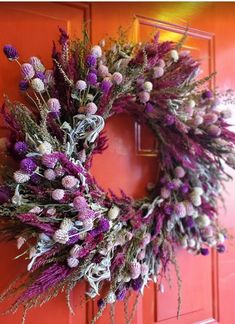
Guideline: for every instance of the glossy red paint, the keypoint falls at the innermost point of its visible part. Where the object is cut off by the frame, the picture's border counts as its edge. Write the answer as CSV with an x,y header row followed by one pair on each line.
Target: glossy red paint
x,y
208,283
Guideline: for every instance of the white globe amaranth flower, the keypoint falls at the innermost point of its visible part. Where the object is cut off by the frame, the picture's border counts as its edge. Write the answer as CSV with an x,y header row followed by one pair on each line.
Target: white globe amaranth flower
x,y
191,103
61,236
66,224
96,51
21,177
74,252
184,242
191,242
113,212
148,86
174,55
203,221
111,297
195,199
198,190
45,148
37,85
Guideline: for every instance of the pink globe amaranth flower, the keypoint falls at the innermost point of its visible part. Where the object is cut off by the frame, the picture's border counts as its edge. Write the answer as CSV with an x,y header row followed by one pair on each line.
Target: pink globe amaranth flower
x,y
141,255
50,174
165,193
72,262
87,224
189,208
180,210
27,71
61,236
197,120
53,105
80,203
103,71
69,182
179,172
210,118
161,63
81,85
74,252
37,64
158,72
57,194
117,78
90,108
86,214
144,96
214,130
135,269
49,160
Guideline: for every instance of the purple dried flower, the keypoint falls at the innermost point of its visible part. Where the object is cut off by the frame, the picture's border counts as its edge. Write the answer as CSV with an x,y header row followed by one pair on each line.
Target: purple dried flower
x,y
207,94
169,120
121,293
10,52
149,108
101,303
86,214
184,188
80,203
91,78
23,85
170,186
28,165
204,251
35,179
106,85
136,284
104,224
40,75
91,60
21,148
54,105
189,221
168,209
179,209
220,248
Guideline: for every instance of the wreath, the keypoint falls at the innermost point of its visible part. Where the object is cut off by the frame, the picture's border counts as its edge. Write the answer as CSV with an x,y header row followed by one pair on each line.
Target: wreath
x,y
66,225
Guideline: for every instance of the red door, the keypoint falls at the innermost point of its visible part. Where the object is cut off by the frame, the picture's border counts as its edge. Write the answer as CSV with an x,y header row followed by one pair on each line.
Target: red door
x,y
207,289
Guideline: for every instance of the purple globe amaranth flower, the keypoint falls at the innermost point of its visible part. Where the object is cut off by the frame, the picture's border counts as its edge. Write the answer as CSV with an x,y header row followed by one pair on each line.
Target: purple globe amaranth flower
x,y
21,148
149,108
35,179
204,251
10,52
23,85
168,209
220,248
28,165
104,224
54,105
40,75
49,160
184,188
80,203
91,60
207,94
91,78
170,186
136,284
106,86
169,120
189,221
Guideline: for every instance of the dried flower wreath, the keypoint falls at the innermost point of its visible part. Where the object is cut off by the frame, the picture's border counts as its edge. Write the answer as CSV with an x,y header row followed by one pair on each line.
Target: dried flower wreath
x,y
76,231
